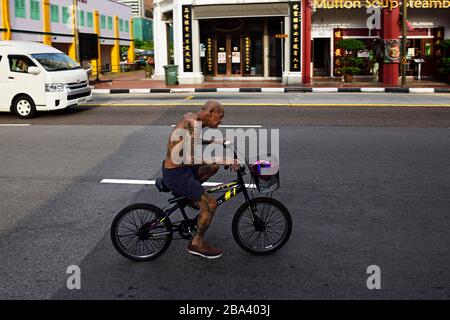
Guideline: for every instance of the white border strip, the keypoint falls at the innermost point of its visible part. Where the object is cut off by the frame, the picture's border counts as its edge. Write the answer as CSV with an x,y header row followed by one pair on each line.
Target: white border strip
x,y
369,89
14,124
421,90
236,90
101,91
183,90
139,90
324,90
152,182
272,90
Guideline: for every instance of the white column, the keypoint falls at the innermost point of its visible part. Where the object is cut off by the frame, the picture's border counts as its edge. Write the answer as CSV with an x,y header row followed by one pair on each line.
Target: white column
x,y
287,49
160,39
290,77
266,44
178,35
196,46
195,77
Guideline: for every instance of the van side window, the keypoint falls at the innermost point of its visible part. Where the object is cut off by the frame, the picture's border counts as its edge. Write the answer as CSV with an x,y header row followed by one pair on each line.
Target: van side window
x,y
20,64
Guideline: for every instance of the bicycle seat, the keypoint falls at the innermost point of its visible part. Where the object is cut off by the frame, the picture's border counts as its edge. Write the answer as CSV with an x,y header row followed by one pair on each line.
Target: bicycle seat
x,y
161,186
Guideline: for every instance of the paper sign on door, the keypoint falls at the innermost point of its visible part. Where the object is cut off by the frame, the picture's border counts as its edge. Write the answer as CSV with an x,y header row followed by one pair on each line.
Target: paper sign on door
x,y
222,57
236,57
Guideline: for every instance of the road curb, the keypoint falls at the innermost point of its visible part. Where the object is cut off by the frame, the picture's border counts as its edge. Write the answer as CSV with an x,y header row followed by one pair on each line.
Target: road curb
x,y
274,90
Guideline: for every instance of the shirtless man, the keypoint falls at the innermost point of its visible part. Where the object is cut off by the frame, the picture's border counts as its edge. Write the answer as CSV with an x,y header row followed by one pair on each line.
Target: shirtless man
x,y
186,179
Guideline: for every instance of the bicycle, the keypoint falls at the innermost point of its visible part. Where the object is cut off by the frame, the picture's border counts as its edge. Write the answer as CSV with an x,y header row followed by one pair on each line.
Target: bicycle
x,y
143,232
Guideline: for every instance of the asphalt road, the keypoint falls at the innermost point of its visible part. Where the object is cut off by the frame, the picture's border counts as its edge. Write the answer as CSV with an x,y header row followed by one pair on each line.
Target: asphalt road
x,y
365,186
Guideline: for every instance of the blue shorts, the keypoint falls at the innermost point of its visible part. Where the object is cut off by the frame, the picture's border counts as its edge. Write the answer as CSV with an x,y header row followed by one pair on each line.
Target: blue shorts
x,y
183,182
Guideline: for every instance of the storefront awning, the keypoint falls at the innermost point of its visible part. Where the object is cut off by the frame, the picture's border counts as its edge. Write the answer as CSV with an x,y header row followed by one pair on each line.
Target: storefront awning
x,y
238,11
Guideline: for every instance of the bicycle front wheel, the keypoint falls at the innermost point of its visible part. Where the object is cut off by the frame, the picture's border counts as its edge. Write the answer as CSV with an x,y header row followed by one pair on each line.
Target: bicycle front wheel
x,y
138,234
266,230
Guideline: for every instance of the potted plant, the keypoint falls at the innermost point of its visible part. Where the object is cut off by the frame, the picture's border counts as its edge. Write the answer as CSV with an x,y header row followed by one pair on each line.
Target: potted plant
x,y
445,68
445,61
350,63
349,72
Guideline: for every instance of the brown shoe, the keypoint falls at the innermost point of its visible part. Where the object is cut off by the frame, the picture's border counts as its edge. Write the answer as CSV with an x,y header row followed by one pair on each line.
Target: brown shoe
x,y
205,251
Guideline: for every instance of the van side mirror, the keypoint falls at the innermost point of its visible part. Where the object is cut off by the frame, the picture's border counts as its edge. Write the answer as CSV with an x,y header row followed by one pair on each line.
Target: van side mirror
x,y
34,70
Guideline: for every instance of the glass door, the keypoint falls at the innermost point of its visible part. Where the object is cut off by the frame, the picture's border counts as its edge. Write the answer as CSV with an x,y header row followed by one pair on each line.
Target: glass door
x,y
229,55
221,55
235,42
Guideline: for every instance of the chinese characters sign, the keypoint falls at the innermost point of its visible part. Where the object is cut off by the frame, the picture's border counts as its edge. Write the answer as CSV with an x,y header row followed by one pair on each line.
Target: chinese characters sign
x,y
187,38
295,36
338,52
247,60
209,55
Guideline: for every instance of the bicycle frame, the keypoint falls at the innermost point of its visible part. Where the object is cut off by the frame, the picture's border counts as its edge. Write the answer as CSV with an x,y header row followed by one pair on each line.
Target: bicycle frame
x,y
232,189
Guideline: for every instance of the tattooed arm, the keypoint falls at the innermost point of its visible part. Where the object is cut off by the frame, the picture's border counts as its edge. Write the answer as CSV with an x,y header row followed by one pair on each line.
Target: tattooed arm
x,y
184,140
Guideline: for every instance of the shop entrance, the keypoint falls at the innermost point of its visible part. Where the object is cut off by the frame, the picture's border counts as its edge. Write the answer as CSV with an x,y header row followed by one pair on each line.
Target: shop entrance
x,y
228,55
321,56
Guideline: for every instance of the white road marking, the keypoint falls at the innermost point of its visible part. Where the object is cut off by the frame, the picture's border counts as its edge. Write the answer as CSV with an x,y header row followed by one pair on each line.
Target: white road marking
x,y
14,124
235,126
152,182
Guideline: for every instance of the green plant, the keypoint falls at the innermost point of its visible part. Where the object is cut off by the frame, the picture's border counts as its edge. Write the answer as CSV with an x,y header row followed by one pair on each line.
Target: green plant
x,y
445,66
350,63
350,70
351,44
143,45
445,44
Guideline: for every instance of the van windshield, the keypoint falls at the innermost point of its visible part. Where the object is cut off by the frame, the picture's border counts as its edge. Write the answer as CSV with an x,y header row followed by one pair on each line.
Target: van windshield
x,y
56,61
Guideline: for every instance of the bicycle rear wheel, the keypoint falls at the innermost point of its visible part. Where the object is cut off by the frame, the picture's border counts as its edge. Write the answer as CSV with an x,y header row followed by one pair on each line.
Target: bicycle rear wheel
x,y
138,234
267,231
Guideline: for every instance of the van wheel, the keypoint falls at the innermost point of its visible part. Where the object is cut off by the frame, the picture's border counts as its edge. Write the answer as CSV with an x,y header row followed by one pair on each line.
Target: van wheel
x,y
24,107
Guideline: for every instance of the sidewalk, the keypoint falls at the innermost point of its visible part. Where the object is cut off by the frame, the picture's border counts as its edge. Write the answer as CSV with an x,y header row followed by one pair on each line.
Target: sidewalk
x,y
135,81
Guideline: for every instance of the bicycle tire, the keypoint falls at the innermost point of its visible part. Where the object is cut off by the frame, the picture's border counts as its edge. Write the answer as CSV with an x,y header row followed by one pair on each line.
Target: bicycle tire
x,y
147,209
270,248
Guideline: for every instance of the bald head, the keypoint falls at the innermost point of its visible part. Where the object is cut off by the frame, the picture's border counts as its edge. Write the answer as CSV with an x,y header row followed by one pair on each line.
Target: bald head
x,y
211,114
214,106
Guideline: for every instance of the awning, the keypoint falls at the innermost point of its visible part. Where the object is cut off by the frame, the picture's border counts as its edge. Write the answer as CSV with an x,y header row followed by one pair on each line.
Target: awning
x,y
244,10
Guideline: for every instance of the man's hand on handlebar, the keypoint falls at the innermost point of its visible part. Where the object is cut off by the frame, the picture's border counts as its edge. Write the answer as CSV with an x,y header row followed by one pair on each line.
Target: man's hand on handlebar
x,y
233,165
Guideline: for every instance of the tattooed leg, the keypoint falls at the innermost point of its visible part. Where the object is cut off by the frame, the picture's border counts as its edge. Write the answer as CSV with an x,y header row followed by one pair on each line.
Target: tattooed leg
x,y
208,206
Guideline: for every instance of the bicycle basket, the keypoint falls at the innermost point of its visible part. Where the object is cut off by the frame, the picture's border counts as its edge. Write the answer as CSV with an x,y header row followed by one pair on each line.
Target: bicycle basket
x,y
265,175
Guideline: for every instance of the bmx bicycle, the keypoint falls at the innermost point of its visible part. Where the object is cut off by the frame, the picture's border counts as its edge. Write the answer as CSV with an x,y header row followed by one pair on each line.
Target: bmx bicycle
x,y
261,225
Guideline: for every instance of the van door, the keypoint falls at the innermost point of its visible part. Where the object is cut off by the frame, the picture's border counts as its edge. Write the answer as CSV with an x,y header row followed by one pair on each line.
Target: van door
x,y
4,104
20,81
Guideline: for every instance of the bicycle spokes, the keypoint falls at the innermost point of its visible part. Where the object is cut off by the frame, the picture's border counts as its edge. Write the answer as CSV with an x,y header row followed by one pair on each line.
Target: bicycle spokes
x,y
264,228
140,233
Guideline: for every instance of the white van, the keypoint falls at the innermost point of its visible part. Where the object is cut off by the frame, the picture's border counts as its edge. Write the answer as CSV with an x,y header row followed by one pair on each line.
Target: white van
x,y
36,77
